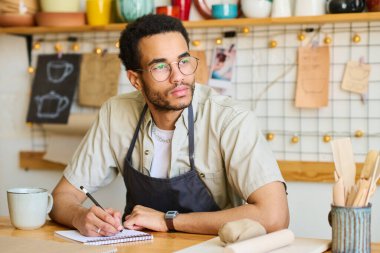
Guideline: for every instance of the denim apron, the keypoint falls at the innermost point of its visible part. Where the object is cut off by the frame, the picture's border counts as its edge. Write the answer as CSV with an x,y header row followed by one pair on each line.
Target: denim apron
x,y
184,193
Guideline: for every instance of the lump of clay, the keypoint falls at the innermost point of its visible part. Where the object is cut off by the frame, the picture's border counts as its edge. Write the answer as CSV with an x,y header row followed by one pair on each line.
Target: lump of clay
x,y
240,230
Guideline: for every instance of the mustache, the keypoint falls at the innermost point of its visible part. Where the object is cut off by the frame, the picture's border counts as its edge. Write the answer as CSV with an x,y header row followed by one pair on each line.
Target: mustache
x,y
182,83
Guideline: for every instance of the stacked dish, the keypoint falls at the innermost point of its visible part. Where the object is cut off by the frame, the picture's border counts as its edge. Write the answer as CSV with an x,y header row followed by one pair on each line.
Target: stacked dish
x,y
60,13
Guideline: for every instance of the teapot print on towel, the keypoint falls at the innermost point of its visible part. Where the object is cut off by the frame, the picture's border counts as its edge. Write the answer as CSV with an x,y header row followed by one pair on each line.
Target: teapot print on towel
x,y
51,105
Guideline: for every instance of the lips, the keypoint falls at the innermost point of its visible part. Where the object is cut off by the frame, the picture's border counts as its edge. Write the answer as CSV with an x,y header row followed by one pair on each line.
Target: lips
x,y
180,91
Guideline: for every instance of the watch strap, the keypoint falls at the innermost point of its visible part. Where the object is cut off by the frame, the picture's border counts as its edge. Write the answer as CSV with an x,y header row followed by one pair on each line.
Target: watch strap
x,y
169,216
169,224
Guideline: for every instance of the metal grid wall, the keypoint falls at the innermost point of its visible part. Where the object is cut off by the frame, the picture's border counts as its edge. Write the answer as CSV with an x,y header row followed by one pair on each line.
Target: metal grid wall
x,y
265,80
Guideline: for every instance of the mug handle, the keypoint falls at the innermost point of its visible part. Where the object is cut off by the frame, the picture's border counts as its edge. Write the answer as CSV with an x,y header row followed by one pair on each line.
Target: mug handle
x,y
50,203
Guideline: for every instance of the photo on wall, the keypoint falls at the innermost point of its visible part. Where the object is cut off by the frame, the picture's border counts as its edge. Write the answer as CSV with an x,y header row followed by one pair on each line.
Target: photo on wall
x,y
222,67
53,88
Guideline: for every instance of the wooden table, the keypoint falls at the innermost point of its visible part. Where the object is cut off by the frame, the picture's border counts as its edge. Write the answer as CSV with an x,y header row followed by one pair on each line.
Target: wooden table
x,y
162,243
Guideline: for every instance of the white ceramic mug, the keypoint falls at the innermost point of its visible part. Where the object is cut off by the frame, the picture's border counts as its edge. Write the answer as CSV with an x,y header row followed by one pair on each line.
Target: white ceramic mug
x,y
28,207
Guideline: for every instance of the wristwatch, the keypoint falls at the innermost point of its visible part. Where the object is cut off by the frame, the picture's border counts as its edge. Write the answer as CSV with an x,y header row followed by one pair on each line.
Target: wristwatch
x,y
169,216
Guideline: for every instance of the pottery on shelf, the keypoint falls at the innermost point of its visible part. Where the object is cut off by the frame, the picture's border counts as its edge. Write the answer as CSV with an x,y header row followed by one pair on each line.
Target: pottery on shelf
x,y
130,10
345,6
256,8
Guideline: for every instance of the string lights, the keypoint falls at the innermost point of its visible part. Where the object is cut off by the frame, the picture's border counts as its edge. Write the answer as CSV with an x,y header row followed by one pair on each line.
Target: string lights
x,y
326,138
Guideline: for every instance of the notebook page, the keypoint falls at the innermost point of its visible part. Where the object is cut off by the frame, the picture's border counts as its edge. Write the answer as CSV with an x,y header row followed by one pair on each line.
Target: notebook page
x,y
30,245
125,236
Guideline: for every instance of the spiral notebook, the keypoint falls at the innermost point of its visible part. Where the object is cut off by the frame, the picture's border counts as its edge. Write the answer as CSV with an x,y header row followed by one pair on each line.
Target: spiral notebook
x,y
125,236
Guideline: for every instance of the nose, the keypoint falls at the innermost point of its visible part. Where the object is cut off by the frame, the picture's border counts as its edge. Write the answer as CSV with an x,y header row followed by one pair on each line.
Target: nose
x,y
176,76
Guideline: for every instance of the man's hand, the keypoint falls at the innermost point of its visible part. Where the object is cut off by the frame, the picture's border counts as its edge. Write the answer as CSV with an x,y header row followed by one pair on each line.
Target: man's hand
x,y
97,222
143,217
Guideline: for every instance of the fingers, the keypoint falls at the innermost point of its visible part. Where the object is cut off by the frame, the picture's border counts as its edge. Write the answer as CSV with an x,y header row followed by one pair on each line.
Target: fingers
x,y
142,217
117,218
104,222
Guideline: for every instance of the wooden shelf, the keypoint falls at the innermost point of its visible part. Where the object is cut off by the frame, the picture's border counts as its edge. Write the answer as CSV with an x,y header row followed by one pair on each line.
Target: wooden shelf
x,y
329,18
292,171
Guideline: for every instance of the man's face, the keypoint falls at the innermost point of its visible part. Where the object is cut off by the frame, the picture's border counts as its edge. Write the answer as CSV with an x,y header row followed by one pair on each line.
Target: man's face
x,y
176,92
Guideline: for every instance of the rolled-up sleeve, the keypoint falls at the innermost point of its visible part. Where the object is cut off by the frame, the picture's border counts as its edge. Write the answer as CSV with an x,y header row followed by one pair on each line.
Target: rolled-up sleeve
x,y
93,164
249,160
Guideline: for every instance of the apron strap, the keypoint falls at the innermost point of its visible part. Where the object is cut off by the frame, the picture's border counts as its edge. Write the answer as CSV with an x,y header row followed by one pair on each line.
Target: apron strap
x,y
191,136
133,142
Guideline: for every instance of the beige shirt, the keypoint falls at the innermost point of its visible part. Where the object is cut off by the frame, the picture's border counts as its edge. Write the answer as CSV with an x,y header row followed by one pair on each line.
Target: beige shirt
x,y
231,155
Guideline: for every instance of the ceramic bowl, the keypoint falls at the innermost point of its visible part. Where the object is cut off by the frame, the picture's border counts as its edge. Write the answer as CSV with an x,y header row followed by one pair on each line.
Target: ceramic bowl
x,y
10,19
61,19
60,5
256,8
224,11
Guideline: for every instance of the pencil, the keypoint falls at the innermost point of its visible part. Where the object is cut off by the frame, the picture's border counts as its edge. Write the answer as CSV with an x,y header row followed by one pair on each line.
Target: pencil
x,y
90,197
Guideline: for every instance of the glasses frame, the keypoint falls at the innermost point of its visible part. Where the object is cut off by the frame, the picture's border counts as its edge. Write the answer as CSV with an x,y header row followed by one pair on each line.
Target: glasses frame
x,y
171,69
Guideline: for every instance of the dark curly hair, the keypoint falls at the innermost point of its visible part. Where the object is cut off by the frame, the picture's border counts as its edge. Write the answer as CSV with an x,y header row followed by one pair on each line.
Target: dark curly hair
x,y
145,26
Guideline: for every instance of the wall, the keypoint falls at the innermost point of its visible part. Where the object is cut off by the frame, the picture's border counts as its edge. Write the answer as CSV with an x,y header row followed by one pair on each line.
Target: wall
x,y
309,202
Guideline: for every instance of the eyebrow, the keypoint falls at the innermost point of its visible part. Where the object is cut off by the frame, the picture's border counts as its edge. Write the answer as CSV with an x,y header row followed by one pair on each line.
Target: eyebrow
x,y
164,59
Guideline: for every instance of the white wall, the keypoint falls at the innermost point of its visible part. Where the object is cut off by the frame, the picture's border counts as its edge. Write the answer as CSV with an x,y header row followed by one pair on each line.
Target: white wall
x,y
309,202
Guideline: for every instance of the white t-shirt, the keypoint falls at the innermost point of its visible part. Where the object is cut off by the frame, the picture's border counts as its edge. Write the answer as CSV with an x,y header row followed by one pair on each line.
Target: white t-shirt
x,y
162,141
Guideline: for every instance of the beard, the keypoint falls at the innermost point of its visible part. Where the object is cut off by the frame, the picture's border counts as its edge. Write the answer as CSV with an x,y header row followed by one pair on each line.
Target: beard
x,y
159,99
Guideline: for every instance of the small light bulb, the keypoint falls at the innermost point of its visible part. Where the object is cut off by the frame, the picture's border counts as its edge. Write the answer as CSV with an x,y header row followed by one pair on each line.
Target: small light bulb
x,y
356,38
195,43
37,45
327,40
270,136
30,70
272,44
359,133
245,30
98,50
301,37
75,47
117,44
218,41
58,47
295,139
326,138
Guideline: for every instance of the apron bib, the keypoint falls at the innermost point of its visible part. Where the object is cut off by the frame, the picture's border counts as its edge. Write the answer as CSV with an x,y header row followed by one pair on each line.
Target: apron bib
x,y
184,193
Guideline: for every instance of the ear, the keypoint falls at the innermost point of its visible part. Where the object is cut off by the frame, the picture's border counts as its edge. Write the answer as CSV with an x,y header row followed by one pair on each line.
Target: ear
x,y
134,78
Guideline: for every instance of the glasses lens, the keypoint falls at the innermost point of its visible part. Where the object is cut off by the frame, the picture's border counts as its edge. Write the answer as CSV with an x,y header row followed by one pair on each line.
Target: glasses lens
x,y
160,71
188,65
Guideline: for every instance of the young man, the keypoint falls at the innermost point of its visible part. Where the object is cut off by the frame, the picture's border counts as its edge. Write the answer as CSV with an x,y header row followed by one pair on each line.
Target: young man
x,y
189,157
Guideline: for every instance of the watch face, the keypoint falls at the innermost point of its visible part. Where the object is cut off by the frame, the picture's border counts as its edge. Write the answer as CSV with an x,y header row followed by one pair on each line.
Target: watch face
x,y
171,214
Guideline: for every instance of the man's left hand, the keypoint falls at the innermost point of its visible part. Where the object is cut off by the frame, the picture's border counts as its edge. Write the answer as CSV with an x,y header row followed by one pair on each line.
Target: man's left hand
x,y
143,217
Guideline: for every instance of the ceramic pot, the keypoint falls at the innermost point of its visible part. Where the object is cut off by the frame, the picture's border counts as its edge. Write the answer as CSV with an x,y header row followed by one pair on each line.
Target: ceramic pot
x,y
345,6
129,10
256,8
373,5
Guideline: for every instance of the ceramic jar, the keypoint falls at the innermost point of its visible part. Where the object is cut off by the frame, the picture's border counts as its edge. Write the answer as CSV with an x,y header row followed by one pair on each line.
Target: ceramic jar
x,y
281,8
256,8
345,6
130,10
310,7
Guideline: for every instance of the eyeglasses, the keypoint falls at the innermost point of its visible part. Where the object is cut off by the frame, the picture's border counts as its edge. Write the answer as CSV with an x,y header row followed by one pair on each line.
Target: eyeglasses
x,y
161,71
